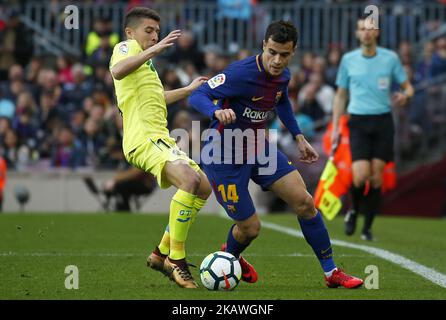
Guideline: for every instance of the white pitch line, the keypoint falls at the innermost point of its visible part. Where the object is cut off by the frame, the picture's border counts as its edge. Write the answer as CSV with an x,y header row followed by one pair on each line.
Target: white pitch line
x,y
103,254
427,273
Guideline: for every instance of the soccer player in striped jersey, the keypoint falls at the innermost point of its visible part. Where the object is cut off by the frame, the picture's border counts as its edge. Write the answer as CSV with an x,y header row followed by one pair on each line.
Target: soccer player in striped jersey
x,y
241,98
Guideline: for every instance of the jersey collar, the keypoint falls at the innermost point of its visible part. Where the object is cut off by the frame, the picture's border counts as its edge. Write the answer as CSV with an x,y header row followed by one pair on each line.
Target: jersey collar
x,y
259,63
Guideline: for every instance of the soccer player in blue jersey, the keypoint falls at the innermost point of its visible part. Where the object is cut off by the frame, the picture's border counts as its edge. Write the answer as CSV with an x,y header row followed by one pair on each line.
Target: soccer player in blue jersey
x,y
364,78
241,99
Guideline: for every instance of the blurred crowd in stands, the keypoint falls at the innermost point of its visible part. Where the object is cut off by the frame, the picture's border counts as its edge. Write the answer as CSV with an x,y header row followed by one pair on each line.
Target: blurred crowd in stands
x,y
61,111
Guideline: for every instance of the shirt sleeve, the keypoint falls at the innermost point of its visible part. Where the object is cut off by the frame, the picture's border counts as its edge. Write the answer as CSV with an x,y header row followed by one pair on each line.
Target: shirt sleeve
x,y
286,115
227,84
398,72
342,79
124,50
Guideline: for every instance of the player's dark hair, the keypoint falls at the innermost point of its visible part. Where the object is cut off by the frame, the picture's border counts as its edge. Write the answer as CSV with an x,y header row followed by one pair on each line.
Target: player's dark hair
x,y
282,32
134,15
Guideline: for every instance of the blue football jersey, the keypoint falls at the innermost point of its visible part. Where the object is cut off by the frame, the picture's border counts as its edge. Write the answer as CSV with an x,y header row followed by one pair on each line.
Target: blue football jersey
x,y
246,88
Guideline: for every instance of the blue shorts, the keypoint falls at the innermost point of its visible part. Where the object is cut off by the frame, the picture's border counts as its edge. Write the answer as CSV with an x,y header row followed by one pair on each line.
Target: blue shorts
x,y
230,184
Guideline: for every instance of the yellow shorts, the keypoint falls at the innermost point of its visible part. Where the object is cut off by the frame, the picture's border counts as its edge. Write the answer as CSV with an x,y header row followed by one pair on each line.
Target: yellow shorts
x,y
153,155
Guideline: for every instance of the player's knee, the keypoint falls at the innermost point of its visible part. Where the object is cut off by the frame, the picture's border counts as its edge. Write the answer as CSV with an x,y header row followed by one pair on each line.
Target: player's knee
x,y
305,208
205,191
190,179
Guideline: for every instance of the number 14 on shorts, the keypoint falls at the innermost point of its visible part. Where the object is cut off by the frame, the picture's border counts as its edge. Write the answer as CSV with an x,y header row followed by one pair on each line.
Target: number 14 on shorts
x,y
229,193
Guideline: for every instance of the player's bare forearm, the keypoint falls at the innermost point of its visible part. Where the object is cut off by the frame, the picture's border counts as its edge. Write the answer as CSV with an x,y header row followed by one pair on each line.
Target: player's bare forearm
x,y
172,96
125,67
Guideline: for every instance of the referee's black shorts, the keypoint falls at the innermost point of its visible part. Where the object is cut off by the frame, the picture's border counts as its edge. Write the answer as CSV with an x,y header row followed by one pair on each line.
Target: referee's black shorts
x,y
371,136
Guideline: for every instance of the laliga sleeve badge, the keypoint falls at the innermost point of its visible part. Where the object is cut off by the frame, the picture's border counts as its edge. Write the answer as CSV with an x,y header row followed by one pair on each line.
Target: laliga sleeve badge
x,y
216,81
123,48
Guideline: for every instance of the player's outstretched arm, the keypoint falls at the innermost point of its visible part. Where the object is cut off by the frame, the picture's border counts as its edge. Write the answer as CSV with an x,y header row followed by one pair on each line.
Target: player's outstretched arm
x,y
222,86
172,96
127,66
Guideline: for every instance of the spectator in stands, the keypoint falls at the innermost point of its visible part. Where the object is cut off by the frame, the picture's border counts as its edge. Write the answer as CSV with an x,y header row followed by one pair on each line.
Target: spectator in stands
x,y
25,122
186,50
14,84
128,184
48,117
324,94
307,63
9,148
47,84
212,54
186,72
438,64
319,65
101,27
16,44
67,150
64,72
73,94
316,99
33,68
77,122
93,143
405,53
7,107
5,126
333,59
423,66
102,80
113,157
102,54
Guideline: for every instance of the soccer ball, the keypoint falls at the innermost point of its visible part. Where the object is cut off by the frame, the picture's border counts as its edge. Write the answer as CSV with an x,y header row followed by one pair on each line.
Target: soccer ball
x,y
220,271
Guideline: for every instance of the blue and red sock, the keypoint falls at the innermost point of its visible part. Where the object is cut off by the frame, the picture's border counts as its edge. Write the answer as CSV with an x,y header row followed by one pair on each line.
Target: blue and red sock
x,y
316,234
233,246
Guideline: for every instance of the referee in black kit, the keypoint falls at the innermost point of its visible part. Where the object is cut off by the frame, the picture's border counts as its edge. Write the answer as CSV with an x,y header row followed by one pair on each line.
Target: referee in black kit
x,y
364,78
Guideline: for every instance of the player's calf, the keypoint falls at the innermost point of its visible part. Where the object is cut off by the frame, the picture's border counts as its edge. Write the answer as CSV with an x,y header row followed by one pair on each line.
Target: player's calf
x,y
246,231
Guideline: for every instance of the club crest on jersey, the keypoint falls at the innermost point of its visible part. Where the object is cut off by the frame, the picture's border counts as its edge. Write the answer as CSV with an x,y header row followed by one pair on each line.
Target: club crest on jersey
x,y
232,208
123,48
278,96
216,81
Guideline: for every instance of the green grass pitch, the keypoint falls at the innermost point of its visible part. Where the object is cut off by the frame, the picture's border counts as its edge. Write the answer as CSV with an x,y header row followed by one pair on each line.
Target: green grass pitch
x,y
110,252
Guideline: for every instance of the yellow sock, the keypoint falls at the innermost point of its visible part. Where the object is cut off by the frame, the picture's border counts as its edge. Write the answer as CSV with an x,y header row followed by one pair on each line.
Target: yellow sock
x,y
180,216
198,204
164,245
